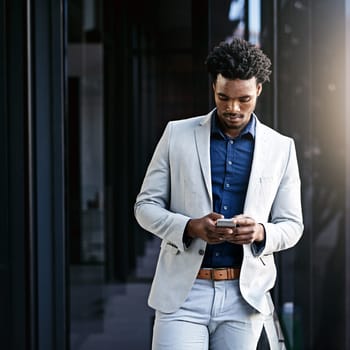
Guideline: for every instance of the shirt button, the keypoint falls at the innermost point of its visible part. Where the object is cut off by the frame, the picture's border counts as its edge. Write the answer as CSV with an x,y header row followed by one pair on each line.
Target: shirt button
x,y
225,207
231,142
227,185
201,252
217,254
229,162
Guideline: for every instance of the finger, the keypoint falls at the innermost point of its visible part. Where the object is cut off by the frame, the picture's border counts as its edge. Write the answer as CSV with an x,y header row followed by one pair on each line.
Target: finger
x,y
245,222
243,229
215,236
215,240
224,231
215,216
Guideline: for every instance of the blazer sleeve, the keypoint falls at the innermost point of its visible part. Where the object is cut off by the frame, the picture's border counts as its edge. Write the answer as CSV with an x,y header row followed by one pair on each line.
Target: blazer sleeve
x,y
152,203
285,227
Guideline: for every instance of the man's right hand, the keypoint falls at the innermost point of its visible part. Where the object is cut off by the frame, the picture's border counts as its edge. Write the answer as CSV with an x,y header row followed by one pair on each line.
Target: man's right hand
x,y
206,229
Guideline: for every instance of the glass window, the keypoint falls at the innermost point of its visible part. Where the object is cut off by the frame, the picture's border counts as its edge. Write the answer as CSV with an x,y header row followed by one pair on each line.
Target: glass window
x,y
128,73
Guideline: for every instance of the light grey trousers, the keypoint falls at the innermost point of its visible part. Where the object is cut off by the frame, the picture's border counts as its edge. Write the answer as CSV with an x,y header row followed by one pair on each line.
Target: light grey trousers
x,y
214,316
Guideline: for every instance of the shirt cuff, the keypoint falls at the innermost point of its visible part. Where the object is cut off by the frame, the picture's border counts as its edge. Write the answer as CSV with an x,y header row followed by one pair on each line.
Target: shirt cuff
x,y
258,247
186,239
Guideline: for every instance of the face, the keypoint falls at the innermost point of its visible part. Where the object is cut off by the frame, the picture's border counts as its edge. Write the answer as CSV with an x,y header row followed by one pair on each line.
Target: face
x,y
235,102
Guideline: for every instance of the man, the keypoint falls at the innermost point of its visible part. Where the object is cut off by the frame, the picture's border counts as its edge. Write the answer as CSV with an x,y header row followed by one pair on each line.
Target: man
x,y
211,285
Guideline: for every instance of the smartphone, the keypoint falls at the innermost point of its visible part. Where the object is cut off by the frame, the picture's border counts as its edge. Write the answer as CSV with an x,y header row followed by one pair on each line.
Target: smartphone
x,y
225,223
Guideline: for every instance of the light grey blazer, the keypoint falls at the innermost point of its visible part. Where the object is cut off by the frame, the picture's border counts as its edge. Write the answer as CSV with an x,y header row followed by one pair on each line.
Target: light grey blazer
x,y
177,187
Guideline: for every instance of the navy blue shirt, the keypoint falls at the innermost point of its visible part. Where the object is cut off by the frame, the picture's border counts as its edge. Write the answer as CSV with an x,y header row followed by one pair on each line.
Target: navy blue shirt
x,y
231,160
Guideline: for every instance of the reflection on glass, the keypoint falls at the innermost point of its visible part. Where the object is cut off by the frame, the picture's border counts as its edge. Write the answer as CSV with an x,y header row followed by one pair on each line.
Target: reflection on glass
x,y
85,67
254,21
242,19
110,265
86,189
237,17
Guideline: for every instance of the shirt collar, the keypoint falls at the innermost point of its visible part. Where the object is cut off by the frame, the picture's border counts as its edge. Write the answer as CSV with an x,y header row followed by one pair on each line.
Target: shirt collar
x,y
248,131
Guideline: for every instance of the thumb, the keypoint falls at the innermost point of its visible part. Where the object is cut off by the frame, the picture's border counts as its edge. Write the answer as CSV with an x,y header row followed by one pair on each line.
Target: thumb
x,y
215,216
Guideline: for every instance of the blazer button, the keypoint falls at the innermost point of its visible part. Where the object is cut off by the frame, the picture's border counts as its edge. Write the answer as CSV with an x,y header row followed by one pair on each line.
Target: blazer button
x,y
201,252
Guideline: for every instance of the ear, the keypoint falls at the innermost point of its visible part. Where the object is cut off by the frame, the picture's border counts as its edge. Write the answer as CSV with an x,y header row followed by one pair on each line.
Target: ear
x,y
258,89
213,85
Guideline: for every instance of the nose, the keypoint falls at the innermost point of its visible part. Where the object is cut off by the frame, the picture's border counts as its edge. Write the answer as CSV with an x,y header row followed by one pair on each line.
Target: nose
x,y
236,107
233,107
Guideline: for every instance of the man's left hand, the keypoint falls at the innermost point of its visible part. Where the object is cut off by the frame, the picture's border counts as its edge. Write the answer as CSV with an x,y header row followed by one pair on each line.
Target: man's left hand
x,y
247,231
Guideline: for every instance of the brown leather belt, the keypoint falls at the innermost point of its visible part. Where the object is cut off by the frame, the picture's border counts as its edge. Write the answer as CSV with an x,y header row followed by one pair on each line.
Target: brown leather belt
x,y
219,274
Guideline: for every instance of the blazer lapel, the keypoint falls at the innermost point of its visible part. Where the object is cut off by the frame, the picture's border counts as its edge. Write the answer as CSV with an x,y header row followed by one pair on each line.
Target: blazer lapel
x,y
259,159
202,137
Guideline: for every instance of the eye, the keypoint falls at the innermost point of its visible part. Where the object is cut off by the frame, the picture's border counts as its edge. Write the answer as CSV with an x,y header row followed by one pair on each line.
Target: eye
x,y
222,97
245,99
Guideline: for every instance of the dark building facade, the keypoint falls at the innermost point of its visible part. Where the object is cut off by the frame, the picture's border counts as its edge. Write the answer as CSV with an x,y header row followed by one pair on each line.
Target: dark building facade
x,y
86,88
